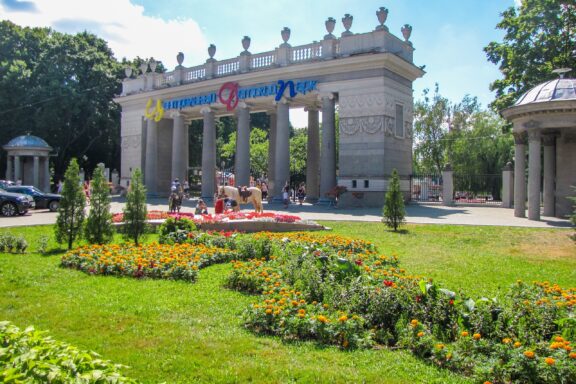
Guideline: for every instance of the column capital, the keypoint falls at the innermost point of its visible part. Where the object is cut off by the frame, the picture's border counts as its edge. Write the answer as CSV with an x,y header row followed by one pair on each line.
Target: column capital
x,y
312,108
534,135
243,105
176,114
206,110
520,138
283,100
328,95
549,139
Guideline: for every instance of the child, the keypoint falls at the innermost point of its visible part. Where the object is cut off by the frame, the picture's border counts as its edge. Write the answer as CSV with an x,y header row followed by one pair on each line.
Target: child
x,y
286,196
201,208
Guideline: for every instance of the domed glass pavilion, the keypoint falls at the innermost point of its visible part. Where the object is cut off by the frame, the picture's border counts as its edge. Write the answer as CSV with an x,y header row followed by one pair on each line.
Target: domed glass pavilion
x,y
545,116
28,161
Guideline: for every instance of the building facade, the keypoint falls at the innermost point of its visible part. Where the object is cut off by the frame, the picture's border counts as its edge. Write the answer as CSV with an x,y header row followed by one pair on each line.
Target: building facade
x,y
366,77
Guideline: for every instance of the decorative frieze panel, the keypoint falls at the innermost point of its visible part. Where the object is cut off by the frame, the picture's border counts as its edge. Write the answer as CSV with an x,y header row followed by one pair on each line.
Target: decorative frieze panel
x,y
362,105
367,124
131,141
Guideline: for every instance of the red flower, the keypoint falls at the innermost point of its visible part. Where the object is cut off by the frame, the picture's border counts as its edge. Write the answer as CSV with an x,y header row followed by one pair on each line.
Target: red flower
x,y
389,283
358,262
418,299
451,302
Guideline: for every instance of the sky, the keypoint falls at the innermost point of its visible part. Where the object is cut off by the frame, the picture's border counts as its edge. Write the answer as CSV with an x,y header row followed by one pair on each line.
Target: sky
x,y
448,35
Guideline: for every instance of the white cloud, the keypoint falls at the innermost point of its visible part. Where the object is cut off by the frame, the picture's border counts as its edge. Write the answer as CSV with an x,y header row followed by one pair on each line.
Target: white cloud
x,y
518,2
128,31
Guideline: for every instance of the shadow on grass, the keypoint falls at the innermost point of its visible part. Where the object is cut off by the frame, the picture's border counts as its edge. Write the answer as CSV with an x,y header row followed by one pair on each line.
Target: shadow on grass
x,y
53,252
398,232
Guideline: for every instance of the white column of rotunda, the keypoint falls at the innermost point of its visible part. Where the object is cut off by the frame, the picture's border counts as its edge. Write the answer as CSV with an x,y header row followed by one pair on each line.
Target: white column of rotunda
x,y
29,161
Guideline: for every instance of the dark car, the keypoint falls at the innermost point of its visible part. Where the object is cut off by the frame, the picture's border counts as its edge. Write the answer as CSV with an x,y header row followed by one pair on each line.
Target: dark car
x,y
12,204
43,200
6,183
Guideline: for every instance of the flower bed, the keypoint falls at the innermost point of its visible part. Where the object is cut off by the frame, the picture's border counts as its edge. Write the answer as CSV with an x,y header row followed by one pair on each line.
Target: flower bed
x,y
30,357
199,219
342,292
161,261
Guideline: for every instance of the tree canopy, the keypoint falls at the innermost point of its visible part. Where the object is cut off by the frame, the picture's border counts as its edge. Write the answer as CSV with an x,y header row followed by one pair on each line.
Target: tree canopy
x,y
539,37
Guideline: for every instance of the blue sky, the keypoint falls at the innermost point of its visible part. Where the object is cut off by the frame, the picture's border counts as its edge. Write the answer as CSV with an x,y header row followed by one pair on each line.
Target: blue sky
x,y
448,34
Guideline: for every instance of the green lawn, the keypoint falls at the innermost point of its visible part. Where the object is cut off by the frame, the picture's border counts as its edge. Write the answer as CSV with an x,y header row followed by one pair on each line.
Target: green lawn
x,y
178,332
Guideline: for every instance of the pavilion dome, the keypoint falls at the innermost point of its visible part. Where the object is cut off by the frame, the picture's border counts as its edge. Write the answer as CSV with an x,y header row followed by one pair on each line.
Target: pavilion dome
x,y
27,141
557,89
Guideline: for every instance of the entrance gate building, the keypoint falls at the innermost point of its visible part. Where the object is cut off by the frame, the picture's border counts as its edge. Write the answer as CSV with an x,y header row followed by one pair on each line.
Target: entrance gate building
x,y
367,77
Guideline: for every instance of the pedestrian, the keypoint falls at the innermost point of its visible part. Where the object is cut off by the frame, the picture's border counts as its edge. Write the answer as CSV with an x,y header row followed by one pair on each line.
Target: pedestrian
x,y
201,208
264,189
301,194
286,195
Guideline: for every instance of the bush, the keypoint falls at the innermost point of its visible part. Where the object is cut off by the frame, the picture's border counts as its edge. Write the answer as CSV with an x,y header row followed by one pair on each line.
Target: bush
x,y
12,244
30,357
70,219
135,211
394,211
175,230
99,228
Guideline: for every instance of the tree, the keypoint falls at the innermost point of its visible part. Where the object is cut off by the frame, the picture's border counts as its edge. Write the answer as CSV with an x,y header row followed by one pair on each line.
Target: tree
x,y
99,228
135,212
539,37
72,204
430,128
394,211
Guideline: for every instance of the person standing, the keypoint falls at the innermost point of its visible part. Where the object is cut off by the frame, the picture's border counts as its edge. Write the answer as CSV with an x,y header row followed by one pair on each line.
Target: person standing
x,y
286,195
301,194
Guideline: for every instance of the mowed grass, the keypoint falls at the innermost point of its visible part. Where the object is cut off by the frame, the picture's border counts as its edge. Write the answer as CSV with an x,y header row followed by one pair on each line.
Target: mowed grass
x,y
178,332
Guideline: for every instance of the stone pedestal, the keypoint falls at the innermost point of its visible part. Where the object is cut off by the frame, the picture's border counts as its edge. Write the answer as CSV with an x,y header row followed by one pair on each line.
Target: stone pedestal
x,y
507,186
448,186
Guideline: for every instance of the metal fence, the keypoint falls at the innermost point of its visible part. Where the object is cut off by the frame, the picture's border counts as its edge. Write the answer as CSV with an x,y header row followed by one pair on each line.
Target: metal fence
x,y
426,188
478,189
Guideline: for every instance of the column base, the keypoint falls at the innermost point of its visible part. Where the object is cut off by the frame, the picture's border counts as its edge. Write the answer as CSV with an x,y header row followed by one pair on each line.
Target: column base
x,y
324,201
533,214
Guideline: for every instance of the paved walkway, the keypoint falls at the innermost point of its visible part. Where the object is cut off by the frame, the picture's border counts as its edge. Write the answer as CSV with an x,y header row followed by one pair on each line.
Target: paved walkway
x,y
415,213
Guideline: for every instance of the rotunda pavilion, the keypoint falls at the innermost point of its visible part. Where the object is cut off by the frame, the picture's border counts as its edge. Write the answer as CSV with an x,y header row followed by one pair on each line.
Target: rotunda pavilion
x,y
28,161
545,117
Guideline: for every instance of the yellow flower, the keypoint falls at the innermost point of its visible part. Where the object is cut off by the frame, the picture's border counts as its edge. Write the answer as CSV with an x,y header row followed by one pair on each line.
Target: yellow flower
x,y
506,340
572,355
420,334
517,344
549,361
476,336
322,319
439,346
414,323
268,311
343,318
529,354
464,334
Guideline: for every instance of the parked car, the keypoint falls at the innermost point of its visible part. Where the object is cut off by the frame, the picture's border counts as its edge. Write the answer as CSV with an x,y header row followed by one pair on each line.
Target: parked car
x,y
12,204
43,200
5,183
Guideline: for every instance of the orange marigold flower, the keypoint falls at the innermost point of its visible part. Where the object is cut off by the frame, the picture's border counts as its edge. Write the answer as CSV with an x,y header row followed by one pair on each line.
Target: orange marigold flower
x,y
559,339
420,334
439,346
506,340
572,355
343,318
529,354
322,319
414,323
268,311
464,334
487,382
476,336
517,344
549,361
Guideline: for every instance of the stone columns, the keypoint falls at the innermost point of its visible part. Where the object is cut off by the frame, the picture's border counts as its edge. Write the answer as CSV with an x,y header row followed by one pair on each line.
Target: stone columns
x,y
208,155
271,155
47,174
328,150
447,185
151,165
507,183
179,148
9,168
534,174
242,158
17,168
313,156
282,164
36,172
520,174
549,173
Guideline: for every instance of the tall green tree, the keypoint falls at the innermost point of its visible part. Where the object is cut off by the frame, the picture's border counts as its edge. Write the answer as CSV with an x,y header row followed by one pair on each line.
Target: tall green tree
x,y
99,229
60,87
431,117
394,211
71,210
539,37
135,211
